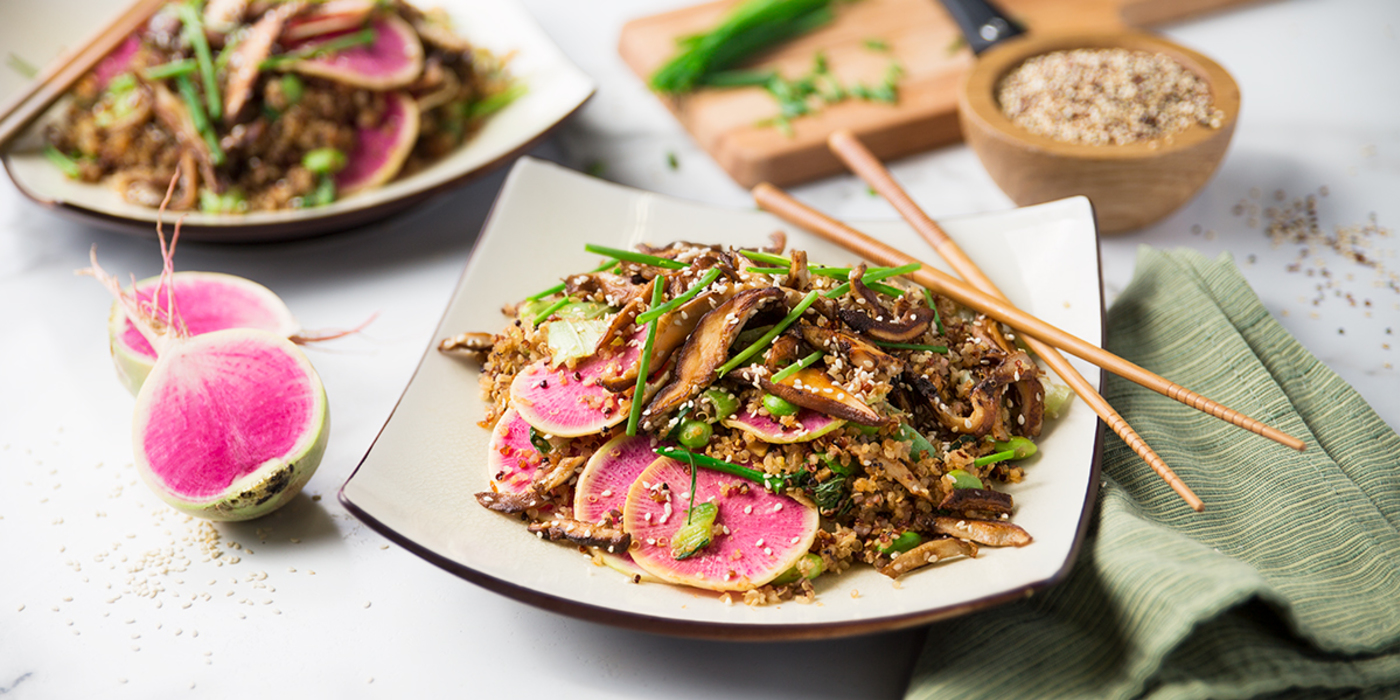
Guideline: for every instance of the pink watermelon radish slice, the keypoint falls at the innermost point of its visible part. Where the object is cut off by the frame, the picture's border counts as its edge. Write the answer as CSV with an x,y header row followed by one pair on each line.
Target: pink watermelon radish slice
x,y
230,424
380,151
209,301
757,534
326,18
117,62
602,487
394,60
512,459
812,425
564,402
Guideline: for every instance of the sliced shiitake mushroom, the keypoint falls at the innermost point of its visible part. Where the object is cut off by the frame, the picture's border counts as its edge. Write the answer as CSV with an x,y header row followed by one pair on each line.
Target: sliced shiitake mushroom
x,y
510,503
471,345
812,388
977,501
928,553
582,533
993,533
884,324
853,349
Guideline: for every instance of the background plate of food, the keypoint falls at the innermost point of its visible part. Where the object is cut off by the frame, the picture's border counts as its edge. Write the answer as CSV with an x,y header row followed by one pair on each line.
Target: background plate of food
x,y
287,120
422,481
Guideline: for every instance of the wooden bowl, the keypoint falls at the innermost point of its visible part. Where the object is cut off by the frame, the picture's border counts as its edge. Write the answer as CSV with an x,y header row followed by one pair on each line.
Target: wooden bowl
x,y
1131,185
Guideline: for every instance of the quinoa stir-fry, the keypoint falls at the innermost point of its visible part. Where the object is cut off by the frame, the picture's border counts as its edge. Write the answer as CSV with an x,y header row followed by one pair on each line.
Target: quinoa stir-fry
x,y
746,421
275,104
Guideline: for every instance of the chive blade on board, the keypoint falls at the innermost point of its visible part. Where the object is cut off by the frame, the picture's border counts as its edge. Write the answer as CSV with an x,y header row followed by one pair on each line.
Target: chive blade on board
x,y
749,27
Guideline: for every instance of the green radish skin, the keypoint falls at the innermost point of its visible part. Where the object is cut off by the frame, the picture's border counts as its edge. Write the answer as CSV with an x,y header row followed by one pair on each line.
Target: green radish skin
x,y
209,301
230,425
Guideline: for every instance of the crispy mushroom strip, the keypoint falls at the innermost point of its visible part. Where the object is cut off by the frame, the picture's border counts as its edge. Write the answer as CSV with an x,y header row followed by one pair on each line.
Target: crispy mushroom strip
x,y
1029,393
470,345
705,350
784,351
248,57
582,533
977,502
510,503
928,553
556,474
175,116
993,533
777,241
798,275
981,417
884,324
854,350
616,290
672,330
900,472
812,388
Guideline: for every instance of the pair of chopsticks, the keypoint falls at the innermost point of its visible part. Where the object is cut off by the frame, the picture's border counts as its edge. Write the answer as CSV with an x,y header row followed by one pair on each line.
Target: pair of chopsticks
x,y
59,76
980,294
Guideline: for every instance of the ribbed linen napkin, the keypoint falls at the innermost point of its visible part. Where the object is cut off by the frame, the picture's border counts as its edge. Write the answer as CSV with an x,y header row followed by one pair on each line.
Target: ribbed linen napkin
x,y
1287,586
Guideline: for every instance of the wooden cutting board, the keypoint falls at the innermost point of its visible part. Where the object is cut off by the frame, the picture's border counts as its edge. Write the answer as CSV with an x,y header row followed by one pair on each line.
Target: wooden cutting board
x,y
920,36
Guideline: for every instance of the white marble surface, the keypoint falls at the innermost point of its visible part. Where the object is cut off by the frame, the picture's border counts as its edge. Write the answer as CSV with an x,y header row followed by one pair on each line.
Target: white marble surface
x,y
108,593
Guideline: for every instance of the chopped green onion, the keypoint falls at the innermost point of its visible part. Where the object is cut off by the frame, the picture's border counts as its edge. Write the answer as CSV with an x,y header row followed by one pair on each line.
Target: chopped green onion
x,y
869,277
340,43
724,403
324,161
194,33
644,365
640,258
197,113
768,337
541,444
993,458
876,45
913,346
697,532
184,66
772,482
230,202
549,310
494,103
738,78
710,276
797,366
62,162
21,66
561,286
964,480
809,561
292,88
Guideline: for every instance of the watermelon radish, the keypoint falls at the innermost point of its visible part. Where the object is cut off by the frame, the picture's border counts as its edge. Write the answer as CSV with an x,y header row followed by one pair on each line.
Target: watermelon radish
x,y
394,60
602,487
326,18
116,62
380,151
512,459
564,402
757,535
229,425
812,425
209,301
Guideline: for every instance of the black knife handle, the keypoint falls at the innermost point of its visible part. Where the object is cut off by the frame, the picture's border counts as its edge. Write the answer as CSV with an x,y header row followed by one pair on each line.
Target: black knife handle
x,y
982,25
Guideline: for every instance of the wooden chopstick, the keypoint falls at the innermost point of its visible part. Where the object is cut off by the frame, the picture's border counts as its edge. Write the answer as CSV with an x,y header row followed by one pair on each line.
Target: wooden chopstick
x,y
59,76
864,163
784,206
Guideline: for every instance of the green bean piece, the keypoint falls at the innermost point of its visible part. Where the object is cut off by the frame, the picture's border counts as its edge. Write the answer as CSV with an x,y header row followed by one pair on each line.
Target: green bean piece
x,y
918,444
964,480
724,403
543,316
779,406
1022,446
869,277
61,161
194,33
797,366
641,258
697,532
293,89
324,161
772,482
184,66
809,561
694,434
941,349
768,337
904,542
634,416
710,276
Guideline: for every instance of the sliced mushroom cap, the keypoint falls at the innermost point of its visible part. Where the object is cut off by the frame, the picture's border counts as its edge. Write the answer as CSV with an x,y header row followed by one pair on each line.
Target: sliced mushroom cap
x,y
981,501
706,349
249,54
616,290
798,275
993,533
900,472
785,350
812,388
473,345
556,474
855,350
587,534
928,553
884,324
672,331
326,17
510,503
175,116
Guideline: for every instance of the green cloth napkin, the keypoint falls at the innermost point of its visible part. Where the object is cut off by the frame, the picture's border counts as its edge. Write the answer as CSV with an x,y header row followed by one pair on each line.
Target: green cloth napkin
x,y
1288,585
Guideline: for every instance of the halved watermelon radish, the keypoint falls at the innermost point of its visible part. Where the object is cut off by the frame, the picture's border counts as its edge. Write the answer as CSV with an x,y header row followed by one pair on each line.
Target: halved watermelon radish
x,y
116,62
812,425
564,402
757,535
380,151
602,487
327,17
394,60
512,460
209,301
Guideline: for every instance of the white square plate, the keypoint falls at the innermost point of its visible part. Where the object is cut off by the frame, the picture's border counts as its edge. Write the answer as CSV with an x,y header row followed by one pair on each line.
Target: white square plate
x,y
555,89
417,482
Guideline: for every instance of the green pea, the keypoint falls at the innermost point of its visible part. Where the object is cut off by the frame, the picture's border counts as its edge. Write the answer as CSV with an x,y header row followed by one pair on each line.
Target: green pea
x,y
1023,447
725,403
292,88
694,434
964,480
778,405
324,161
904,542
